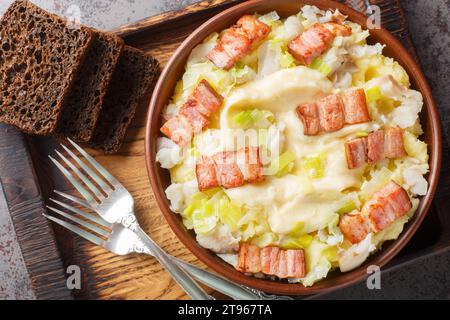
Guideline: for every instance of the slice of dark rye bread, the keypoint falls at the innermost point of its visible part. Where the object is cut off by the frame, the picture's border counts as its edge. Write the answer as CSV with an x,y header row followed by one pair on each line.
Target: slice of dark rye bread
x,y
39,58
134,74
84,102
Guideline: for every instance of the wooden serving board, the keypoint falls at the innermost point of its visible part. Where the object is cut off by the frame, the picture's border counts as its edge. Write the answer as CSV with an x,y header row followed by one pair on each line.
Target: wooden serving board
x,y
105,275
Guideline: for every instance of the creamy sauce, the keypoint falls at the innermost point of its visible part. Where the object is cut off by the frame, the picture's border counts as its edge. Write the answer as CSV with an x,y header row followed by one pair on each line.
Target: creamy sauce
x,y
294,198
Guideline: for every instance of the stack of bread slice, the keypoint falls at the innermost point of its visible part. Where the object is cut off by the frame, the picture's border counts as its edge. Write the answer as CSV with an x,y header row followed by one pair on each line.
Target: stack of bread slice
x,y
69,80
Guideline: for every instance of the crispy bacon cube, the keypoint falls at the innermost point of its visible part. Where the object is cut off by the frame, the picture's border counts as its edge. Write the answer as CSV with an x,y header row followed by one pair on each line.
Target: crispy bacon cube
x,y
309,114
235,44
221,58
331,113
255,30
178,129
355,106
191,112
355,151
208,100
397,197
393,143
206,172
228,172
249,258
272,261
310,44
375,146
249,161
354,227
387,205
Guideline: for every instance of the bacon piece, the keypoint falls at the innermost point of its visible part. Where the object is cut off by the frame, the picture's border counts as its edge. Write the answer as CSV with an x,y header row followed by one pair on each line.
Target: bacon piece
x,y
310,44
397,197
194,114
228,172
354,227
375,146
238,41
379,217
338,29
178,129
209,101
234,44
393,143
205,170
355,151
191,111
220,57
253,28
296,263
249,162
355,106
387,205
249,258
309,114
331,113
272,261
242,257
266,254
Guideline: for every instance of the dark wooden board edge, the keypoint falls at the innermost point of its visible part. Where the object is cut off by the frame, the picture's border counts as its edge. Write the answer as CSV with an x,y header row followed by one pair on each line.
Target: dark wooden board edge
x,y
26,205
170,17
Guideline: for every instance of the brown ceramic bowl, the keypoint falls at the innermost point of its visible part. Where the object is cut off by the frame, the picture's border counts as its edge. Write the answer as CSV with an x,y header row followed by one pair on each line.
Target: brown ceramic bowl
x,y
160,178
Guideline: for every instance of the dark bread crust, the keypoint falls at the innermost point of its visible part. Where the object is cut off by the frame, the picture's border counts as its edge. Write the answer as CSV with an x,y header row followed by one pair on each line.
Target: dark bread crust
x,y
84,102
39,58
132,78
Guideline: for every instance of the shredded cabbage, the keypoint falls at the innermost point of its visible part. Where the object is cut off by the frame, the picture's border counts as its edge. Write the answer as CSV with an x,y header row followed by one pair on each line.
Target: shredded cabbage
x,y
414,147
300,242
317,263
269,18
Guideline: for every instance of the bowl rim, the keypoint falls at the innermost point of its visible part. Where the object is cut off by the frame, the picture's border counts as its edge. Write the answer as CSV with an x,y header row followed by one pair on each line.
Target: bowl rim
x,y
343,279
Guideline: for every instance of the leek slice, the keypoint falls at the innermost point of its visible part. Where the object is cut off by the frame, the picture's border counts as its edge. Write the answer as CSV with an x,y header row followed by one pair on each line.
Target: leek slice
x,y
319,65
374,94
254,118
314,166
282,165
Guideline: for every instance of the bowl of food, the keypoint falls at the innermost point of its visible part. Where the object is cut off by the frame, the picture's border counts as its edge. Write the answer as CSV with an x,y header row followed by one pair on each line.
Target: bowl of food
x,y
290,148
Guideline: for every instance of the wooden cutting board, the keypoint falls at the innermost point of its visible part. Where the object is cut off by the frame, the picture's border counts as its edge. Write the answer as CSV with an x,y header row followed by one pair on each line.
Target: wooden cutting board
x,y
28,178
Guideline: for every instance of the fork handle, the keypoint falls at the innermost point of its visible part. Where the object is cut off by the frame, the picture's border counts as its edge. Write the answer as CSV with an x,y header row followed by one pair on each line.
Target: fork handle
x,y
180,275
227,287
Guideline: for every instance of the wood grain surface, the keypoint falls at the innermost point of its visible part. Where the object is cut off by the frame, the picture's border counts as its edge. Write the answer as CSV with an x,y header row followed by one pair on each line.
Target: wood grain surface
x,y
105,275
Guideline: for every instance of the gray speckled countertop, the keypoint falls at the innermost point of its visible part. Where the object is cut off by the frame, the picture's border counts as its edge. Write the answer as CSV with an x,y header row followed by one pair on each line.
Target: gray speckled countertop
x,y
429,21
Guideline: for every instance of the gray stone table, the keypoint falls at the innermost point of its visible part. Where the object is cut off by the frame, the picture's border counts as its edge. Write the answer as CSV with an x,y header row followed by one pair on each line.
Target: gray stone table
x,y
429,20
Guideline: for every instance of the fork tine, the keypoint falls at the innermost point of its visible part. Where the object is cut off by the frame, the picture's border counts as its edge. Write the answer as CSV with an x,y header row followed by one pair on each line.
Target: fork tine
x,y
96,219
82,233
86,168
74,199
83,178
83,223
74,181
96,165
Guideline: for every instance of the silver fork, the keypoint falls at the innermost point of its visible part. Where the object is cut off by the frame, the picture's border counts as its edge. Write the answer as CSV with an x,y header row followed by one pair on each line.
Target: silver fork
x,y
122,241
116,210
116,205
